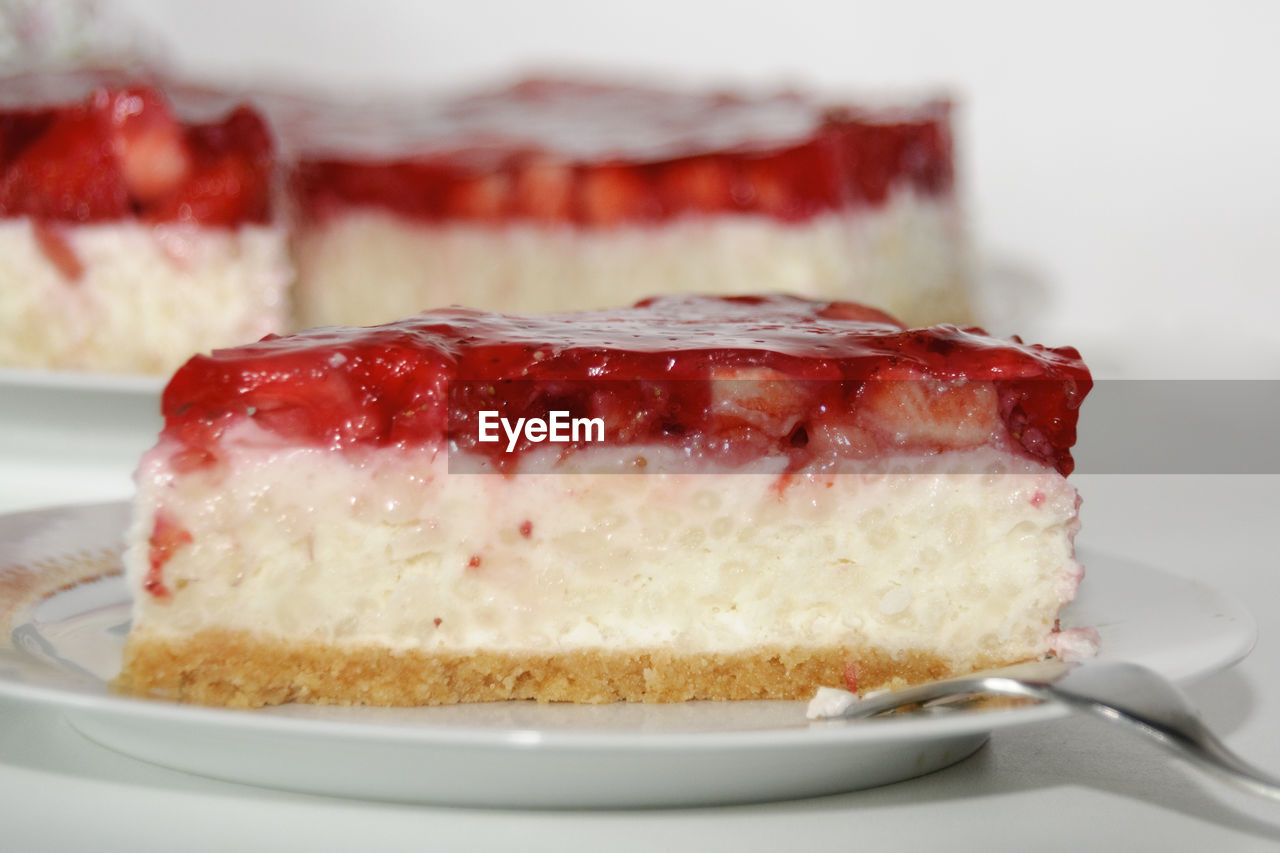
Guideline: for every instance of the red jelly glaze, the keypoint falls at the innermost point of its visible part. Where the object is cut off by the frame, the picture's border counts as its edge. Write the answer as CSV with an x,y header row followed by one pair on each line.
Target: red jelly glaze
x,y
495,171
118,151
822,382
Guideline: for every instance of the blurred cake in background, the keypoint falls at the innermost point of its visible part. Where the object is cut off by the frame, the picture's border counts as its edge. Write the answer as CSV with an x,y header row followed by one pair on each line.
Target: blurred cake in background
x,y
555,195
140,219
137,223
781,494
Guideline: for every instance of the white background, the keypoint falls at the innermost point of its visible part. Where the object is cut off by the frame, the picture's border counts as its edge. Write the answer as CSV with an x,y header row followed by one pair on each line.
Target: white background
x,y
1119,160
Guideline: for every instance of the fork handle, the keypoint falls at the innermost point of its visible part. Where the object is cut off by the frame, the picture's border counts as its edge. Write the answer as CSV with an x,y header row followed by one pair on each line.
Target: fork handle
x,y
1159,710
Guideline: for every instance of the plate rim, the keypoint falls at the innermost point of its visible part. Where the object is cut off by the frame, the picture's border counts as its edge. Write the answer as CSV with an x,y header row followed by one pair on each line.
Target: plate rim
x,y
81,381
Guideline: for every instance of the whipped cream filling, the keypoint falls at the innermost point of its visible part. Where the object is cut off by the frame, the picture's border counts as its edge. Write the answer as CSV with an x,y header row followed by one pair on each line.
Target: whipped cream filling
x,y
146,297
388,548
906,257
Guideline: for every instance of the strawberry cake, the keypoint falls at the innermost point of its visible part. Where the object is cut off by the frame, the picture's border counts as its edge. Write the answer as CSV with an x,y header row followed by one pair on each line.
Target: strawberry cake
x,y
552,195
698,497
132,233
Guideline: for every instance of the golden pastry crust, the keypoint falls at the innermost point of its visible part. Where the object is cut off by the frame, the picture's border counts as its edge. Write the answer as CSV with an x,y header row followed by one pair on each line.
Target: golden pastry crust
x,y
238,669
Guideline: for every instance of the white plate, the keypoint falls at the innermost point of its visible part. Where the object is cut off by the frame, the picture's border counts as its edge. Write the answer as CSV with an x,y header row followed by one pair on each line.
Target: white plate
x,y
67,645
81,381
73,436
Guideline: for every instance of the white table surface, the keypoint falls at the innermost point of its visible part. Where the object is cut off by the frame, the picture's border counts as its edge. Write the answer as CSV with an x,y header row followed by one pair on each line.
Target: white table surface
x,y
1076,783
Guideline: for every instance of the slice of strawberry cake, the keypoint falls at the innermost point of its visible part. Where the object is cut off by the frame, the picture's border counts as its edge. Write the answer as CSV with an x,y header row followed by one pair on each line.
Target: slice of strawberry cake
x,y
694,498
132,236
553,195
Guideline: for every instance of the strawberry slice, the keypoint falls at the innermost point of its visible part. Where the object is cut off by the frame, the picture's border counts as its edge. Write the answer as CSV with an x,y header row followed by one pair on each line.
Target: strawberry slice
x,y
480,197
154,156
71,173
613,195
903,408
768,191
544,190
228,182
300,398
123,152
761,397
835,436
213,196
702,185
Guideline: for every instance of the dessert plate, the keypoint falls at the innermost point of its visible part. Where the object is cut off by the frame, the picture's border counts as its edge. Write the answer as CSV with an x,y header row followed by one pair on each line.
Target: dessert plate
x,y
66,622
78,381
67,436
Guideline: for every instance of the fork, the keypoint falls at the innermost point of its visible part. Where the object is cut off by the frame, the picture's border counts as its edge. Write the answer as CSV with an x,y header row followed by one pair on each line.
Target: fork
x,y
1119,691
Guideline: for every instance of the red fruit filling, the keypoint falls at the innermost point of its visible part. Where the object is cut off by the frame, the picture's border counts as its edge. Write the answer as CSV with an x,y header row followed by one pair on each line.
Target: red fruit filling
x,y
726,380
166,538
557,152
122,152
57,250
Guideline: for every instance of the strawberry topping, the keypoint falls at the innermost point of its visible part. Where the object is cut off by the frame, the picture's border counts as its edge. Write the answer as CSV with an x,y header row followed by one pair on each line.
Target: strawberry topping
x,y
122,152
153,153
70,173
723,379
598,155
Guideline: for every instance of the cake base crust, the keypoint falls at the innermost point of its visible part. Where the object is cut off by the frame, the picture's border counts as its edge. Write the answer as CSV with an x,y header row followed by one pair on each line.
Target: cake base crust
x,y
238,669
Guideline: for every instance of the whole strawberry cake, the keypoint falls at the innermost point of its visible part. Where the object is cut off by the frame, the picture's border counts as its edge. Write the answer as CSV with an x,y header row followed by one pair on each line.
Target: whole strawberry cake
x,y
132,233
552,195
693,498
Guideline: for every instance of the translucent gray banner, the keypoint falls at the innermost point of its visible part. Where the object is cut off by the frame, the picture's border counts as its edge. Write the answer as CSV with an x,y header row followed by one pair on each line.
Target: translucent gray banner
x,y
1124,427
1180,427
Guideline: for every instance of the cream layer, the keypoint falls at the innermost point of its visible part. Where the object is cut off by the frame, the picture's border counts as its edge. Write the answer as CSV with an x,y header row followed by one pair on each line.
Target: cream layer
x,y
147,296
387,548
366,266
